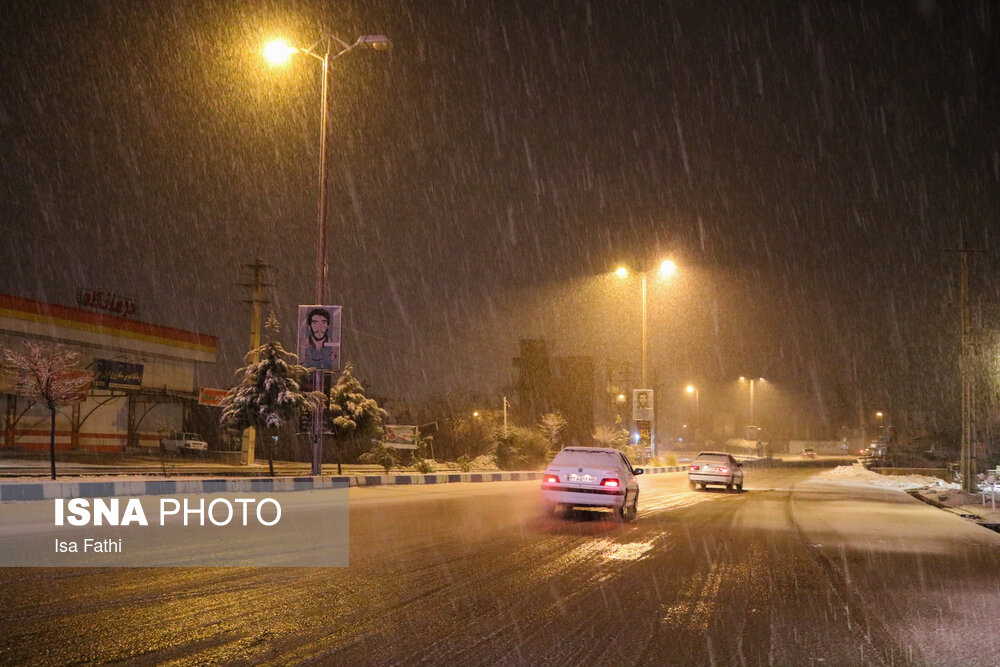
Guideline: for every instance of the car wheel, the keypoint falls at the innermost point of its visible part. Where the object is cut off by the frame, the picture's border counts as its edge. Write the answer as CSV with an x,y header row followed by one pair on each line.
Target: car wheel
x,y
739,487
629,512
729,486
704,486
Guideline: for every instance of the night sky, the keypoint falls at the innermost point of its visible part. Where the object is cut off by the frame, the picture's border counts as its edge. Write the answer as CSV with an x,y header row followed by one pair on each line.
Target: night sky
x,y
806,164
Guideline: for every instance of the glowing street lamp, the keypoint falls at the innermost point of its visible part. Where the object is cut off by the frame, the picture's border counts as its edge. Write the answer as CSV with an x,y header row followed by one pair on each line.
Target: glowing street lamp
x,y
691,389
667,269
278,52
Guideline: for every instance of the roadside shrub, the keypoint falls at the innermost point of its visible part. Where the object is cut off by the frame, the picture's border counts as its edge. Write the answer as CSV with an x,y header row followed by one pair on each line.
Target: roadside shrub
x,y
668,459
534,446
425,466
484,462
506,453
383,455
464,463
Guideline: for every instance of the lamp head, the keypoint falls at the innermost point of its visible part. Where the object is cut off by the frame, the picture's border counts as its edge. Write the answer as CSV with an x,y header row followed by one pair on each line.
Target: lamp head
x,y
377,42
277,52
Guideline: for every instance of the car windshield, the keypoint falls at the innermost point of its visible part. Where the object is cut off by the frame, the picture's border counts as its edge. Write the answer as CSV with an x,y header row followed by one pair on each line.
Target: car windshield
x,y
582,458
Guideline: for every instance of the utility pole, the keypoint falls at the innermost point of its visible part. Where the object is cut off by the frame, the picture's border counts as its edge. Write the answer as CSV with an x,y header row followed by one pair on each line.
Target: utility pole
x,y
505,404
257,301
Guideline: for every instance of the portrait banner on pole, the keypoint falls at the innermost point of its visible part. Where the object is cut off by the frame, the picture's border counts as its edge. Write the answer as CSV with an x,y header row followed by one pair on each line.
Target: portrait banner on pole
x,y
319,337
642,405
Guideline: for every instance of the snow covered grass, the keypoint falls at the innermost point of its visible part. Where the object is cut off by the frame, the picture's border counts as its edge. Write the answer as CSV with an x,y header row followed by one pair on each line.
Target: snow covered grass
x,y
858,475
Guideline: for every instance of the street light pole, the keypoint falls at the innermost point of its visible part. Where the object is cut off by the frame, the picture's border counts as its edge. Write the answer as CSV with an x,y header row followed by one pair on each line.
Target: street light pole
x,y
321,203
280,52
667,269
320,291
644,385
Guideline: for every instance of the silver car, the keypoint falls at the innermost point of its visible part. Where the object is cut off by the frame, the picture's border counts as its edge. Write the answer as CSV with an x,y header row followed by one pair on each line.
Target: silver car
x,y
591,477
716,468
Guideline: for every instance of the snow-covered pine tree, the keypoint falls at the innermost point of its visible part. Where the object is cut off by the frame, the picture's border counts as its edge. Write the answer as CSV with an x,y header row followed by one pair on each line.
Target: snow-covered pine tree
x,y
352,414
46,373
269,393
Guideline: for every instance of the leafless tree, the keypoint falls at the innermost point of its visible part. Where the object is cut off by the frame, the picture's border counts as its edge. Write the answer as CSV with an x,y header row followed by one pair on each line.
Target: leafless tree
x,y
552,424
47,373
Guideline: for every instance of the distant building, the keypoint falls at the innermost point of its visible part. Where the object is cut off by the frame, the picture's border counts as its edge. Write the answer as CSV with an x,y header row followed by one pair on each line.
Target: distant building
x,y
547,384
144,380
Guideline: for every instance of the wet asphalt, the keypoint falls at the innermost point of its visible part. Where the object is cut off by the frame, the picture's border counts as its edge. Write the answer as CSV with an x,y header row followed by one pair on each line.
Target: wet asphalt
x,y
789,572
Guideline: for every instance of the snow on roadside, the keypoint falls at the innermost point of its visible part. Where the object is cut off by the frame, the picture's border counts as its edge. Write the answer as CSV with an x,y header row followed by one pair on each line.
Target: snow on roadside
x,y
858,475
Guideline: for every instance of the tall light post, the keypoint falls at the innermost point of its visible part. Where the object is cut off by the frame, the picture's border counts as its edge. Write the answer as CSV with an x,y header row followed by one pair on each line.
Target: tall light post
x,y
667,269
279,52
645,425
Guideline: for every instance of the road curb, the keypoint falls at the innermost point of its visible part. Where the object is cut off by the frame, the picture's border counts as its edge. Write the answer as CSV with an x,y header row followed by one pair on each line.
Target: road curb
x,y
33,491
969,516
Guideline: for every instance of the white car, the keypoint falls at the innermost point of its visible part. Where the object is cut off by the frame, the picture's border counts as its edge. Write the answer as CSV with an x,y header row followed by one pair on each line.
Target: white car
x,y
591,477
716,468
183,443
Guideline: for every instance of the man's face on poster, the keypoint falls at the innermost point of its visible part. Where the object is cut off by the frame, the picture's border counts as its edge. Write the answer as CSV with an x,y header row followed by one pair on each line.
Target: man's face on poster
x,y
643,400
318,325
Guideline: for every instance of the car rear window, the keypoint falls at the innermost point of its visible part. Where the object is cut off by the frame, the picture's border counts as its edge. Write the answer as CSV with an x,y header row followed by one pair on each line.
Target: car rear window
x,y
714,457
570,457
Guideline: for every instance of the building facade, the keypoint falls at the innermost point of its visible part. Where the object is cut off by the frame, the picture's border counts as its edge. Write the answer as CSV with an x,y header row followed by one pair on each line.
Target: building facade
x,y
144,378
545,383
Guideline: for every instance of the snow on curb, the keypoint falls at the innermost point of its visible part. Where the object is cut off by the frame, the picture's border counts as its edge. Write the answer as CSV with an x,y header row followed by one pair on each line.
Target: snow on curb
x,y
858,475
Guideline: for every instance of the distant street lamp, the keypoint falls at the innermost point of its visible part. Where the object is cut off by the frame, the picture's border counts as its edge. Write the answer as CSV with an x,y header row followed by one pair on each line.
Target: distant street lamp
x,y
691,389
279,52
506,404
752,381
882,430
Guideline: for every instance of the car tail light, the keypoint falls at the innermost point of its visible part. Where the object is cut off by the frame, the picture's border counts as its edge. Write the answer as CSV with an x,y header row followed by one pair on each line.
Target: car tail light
x,y
609,481
551,479
724,471
693,468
